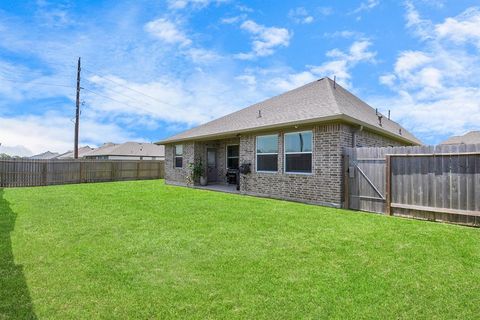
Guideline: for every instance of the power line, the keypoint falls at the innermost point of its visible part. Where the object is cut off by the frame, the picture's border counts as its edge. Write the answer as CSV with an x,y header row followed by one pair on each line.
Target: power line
x,y
135,90
37,83
121,94
118,101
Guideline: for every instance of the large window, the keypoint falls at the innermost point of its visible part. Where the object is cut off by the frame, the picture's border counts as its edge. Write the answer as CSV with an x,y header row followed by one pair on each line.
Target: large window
x,y
232,157
178,156
267,153
298,152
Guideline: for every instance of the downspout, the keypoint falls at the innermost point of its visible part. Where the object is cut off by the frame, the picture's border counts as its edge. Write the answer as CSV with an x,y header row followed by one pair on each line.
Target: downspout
x,y
354,136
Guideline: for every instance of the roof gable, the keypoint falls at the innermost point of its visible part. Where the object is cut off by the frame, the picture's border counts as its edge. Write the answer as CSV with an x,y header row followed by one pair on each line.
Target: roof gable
x,y
320,100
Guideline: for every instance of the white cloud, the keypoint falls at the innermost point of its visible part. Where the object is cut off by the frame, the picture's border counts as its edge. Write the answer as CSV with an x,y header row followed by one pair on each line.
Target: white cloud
x,y
265,39
19,151
343,34
465,27
275,80
167,31
342,62
300,15
182,4
50,131
324,11
438,85
366,6
234,19
421,27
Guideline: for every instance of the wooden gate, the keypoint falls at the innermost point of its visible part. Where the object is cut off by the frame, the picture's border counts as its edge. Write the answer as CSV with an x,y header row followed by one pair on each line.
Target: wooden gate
x,y
439,183
365,179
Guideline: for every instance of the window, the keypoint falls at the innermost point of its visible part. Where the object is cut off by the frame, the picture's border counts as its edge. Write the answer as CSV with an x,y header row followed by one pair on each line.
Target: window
x,y
178,156
232,157
267,153
298,152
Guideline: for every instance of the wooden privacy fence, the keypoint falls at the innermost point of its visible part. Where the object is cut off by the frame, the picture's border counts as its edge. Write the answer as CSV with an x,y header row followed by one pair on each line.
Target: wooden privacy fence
x,y
27,172
439,183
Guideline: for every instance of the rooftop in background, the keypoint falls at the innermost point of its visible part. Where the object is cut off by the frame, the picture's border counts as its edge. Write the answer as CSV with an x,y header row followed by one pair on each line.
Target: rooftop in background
x,y
128,149
320,100
81,152
471,137
45,155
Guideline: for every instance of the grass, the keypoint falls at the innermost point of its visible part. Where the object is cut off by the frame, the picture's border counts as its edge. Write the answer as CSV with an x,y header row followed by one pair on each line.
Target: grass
x,y
146,250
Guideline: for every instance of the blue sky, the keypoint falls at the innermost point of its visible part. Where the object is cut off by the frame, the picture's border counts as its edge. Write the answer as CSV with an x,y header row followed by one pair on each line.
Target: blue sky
x,y
154,68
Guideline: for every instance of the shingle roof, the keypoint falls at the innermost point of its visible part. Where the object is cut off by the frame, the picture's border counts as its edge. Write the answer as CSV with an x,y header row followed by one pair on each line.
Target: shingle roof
x,y
317,101
45,155
129,149
471,137
70,155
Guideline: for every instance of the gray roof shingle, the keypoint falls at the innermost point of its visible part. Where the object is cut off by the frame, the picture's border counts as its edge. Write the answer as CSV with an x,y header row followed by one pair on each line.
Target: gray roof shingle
x,y
129,149
317,101
472,137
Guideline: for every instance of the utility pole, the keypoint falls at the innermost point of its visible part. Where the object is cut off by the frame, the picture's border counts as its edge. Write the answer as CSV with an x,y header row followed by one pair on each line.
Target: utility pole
x,y
77,113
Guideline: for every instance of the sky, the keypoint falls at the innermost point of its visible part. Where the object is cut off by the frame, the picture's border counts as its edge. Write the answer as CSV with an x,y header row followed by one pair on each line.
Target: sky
x,y
151,69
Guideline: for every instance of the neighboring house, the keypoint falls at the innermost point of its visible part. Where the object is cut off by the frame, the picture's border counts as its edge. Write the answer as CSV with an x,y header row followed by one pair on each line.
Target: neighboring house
x,y
70,154
472,137
293,143
128,151
45,156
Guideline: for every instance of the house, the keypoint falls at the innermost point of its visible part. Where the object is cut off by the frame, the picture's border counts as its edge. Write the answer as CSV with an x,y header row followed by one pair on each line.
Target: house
x,y
472,137
45,155
127,151
292,144
70,154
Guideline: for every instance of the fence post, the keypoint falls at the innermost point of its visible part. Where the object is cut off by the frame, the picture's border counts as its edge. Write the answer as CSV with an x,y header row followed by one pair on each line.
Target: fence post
x,y
388,184
44,173
346,185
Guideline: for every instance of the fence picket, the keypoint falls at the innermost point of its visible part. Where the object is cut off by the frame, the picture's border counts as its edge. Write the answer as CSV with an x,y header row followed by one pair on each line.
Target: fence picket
x,y
437,183
30,172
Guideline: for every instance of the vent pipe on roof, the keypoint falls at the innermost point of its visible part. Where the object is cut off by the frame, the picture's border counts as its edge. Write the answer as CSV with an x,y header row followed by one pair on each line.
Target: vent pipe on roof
x,y
388,114
334,82
259,114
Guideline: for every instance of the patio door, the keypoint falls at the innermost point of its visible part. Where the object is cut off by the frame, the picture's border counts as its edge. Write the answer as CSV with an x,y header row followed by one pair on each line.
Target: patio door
x,y
212,171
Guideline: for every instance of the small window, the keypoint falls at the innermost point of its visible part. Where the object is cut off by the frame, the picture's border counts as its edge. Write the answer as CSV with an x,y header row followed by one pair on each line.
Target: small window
x,y
267,153
178,156
232,157
298,152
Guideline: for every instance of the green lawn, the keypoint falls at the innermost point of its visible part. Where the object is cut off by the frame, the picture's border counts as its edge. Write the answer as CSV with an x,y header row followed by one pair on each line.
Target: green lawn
x,y
145,250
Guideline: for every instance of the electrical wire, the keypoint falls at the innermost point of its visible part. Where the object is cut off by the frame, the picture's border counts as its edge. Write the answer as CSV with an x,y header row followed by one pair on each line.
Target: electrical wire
x,y
122,85
37,83
118,101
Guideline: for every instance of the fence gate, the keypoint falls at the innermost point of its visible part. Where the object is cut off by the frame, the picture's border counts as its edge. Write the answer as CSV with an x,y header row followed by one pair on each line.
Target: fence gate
x,y
440,183
365,180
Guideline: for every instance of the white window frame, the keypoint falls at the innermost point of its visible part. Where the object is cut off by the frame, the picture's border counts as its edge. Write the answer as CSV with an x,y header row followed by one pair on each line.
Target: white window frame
x,y
175,156
269,153
226,154
306,152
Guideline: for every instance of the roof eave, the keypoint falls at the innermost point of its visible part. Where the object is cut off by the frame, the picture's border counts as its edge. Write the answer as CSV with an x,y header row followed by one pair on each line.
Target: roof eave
x,y
382,130
262,128
293,123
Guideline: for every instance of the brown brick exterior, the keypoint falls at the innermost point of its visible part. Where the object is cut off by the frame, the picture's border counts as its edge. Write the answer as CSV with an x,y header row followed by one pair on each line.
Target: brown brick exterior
x,y
324,186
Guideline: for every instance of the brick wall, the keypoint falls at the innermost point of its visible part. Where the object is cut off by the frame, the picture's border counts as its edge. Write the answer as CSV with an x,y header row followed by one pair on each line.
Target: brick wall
x,y
178,175
325,184
192,151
